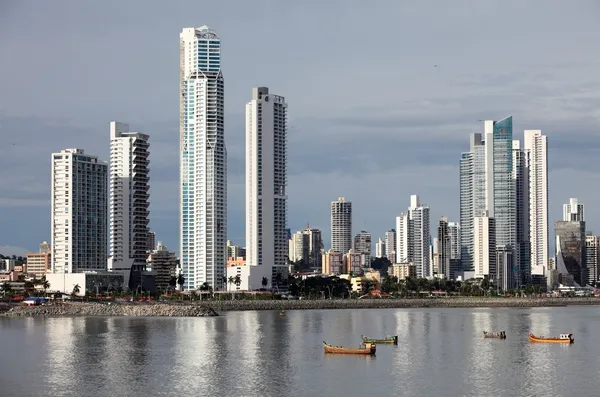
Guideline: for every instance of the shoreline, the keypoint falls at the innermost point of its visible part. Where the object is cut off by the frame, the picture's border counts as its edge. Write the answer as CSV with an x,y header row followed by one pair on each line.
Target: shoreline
x,y
207,308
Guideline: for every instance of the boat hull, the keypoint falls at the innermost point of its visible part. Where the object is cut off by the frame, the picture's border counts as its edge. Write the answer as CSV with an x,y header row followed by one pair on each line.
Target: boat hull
x,y
536,339
392,340
368,350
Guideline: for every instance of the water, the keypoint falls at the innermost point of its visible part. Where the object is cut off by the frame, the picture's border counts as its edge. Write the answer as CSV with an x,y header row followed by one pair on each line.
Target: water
x,y
441,352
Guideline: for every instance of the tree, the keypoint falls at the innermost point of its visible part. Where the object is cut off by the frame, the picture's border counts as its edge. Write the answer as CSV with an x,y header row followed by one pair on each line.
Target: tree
x,y
76,290
180,281
265,282
6,287
44,283
237,280
173,282
224,280
278,280
231,281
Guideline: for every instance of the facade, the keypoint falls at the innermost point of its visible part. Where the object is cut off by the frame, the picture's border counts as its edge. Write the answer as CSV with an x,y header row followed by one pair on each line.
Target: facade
x,y
570,251
163,264
536,148
413,237
362,243
341,225
484,252
78,212
299,247
354,262
444,249
151,245
203,159
38,264
504,268
403,270
573,211
129,200
390,245
592,258
266,184
522,251
333,263
380,249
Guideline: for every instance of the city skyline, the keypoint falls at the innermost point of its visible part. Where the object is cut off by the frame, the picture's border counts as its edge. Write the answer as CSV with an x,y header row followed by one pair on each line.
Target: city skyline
x,y
450,95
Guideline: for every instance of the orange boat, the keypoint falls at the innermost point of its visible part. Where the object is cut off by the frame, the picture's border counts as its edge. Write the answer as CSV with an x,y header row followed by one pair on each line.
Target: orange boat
x,y
365,349
563,338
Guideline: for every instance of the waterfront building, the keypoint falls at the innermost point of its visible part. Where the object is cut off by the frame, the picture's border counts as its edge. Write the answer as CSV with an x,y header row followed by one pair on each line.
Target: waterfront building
x,y
413,238
203,159
522,251
573,211
484,252
536,147
443,249
455,249
341,225
570,252
78,212
39,263
162,263
129,202
403,270
592,258
266,184
504,268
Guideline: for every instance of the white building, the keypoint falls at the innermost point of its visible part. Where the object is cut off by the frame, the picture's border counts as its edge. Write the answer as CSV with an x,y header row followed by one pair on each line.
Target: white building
x,y
380,249
573,211
413,237
203,160
536,146
129,199
78,212
266,181
484,250
341,225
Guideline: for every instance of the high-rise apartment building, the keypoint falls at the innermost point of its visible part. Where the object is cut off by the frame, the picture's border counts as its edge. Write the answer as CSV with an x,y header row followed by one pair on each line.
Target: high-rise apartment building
x,y
299,247
444,248
536,148
413,238
203,159
315,246
362,243
151,241
522,250
78,208
266,184
129,201
571,251
573,211
390,245
380,248
341,225
454,233
484,252
592,258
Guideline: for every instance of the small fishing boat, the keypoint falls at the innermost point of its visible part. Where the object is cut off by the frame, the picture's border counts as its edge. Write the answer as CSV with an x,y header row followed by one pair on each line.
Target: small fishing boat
x,y
364,349
282,314
388,340
495,335
563,338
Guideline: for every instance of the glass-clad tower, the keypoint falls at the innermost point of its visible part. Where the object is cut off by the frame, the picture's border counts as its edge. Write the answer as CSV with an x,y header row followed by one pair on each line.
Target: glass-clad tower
x,y
203,160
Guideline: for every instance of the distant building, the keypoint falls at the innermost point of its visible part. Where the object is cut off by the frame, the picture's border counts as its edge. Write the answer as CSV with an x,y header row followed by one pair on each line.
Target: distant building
x,y
39,263
390,245
380,249
151,241
592,258
341,225
362,243
163,264
570,251
333,263
484,253
573,211
299,247
413,237
354,262
235,251
444,249
403,270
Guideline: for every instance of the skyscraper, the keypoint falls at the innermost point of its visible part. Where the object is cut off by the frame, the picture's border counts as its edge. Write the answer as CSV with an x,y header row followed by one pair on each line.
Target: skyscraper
x,y
380,248
573,211
484,252
571,252
203,159
522,251
362,243
444,248
390,245
536,147
78,207
266,181
413,238
341,225
128,201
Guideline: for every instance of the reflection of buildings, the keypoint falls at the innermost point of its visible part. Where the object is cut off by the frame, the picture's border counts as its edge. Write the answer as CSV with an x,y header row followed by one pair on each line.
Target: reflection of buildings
x,y
570,252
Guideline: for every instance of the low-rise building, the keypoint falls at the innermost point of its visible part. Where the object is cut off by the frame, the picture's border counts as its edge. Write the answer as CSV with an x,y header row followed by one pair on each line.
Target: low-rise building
x,y
333,263
404,270
163,264
38,264
87,282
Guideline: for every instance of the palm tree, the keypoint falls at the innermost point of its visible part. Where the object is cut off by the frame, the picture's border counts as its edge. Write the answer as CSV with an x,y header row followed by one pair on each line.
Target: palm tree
x,y
224,280
180,281
173,282
76,290
231,281
237,280
265,282
44,283
278,280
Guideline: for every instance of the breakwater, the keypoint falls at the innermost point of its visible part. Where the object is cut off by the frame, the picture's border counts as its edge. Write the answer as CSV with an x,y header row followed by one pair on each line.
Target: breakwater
x,y
208,308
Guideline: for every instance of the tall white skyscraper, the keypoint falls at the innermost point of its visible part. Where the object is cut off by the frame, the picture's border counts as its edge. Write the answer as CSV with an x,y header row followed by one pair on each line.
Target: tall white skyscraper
x,y
573,211
78,206
380,249
484,249
522,250
413,237
341,225
203,159
129,194
266,181
536,147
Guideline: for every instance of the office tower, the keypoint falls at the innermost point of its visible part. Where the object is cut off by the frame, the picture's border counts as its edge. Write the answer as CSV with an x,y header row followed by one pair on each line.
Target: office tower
x,y
573,211
151,241
390,245
536,148
315,245
444,248
380,249
266,182
522,251
78,206
570,251
592,258
341,225
455,248
129,201
362,243
413,238
203,159
484,249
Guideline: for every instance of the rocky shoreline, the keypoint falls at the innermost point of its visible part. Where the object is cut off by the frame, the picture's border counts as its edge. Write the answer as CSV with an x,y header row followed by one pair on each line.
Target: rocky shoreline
x,y
212,308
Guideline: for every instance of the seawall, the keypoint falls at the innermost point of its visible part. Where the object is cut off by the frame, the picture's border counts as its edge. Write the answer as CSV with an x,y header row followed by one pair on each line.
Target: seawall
x,y
198,309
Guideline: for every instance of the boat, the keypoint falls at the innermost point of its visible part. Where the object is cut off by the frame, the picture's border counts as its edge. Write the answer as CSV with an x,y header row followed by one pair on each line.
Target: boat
x,y
364,349
388,340
563,338
495,335
282,314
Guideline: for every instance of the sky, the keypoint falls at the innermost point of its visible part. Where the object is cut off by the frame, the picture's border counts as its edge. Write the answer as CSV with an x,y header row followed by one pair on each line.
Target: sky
x,y
382,97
